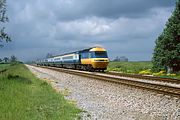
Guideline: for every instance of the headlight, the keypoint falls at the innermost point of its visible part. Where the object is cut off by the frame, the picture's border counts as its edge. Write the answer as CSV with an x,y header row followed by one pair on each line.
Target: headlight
x,y
96,60
100,60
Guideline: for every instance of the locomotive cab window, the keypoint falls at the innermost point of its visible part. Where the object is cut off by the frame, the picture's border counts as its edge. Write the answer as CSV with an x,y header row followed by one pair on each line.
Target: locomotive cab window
x,y
99,54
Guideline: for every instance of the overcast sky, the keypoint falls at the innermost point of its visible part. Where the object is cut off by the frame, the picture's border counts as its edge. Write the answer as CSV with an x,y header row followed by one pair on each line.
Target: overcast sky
x,y
125,28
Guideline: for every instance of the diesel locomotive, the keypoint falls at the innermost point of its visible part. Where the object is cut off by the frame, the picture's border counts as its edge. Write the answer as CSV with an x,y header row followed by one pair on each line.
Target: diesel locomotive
x,y
91,59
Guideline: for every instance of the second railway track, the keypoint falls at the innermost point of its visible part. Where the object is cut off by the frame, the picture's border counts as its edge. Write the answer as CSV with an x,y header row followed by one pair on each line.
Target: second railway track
x,y
164,86
152,78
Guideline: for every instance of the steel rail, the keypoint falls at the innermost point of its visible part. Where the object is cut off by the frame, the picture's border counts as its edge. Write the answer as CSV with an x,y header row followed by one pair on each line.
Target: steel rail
x,y
161,88
154,78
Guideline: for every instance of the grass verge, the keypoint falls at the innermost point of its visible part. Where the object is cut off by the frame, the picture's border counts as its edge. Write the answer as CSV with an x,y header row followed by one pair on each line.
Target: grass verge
x,y
143,68
129,67
25,97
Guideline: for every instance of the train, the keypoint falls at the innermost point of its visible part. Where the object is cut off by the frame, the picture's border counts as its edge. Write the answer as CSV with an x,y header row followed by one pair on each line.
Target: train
x,y
90,59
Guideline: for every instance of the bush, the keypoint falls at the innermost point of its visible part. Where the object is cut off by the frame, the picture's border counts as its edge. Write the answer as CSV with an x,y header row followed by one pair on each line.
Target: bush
x,y
146,72
160,73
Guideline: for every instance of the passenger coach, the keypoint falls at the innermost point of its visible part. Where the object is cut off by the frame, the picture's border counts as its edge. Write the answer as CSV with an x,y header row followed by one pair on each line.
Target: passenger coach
x,y
90,59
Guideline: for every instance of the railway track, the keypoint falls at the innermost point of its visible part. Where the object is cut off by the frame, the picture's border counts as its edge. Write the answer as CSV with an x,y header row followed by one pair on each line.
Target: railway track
x,y
161,85
152,78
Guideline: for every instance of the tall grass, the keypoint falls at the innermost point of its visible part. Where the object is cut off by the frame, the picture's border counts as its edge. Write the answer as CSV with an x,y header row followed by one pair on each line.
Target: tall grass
x,y
25,97
129,67
135,68
4,66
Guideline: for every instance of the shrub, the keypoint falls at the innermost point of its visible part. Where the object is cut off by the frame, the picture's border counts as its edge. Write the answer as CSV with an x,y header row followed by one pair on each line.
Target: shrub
x,y
146,72
160,73
171,74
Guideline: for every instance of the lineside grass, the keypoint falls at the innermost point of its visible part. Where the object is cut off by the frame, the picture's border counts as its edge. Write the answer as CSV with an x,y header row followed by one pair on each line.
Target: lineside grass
x,y
138,68
25,97
3,66
129,67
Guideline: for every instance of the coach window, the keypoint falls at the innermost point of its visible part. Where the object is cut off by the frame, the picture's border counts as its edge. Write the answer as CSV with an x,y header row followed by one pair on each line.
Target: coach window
x,y
89,55
84,55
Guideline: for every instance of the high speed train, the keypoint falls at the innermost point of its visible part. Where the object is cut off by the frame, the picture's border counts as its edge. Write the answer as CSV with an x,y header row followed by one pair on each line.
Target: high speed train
x,y
91,59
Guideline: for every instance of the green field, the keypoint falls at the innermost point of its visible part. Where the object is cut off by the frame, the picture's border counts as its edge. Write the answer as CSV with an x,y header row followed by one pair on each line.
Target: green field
x,y
25,97
137,68
129,67
4,66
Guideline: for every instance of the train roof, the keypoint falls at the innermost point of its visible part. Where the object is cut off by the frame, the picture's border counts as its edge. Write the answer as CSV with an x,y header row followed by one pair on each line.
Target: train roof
x,y
76,52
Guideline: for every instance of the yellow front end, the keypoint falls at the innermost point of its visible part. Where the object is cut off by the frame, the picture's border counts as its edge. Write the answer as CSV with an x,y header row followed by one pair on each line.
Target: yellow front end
x,y
99,63
96,63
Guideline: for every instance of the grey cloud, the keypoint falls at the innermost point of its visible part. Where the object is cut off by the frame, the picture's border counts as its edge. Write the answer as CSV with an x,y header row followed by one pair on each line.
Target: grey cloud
x,y
64,10
128,8
109,9
123,27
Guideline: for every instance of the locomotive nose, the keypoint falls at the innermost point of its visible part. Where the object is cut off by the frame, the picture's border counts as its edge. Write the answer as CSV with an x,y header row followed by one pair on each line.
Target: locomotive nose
x,y
101,60
100,63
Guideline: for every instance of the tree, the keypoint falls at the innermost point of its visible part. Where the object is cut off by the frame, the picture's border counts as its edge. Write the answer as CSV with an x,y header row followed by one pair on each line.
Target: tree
x,y
1,60
3,18
122,58
6,59
116,59
13,59
167,50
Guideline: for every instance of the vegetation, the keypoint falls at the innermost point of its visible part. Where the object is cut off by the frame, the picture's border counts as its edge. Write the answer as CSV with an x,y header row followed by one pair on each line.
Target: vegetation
x,y
143,68
3,67
13,58
122,58
167,51
25,97
129,67
3,18
8,60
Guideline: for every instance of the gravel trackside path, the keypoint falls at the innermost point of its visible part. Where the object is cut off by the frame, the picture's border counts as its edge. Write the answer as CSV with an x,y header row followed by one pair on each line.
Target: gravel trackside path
x,y
110,101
